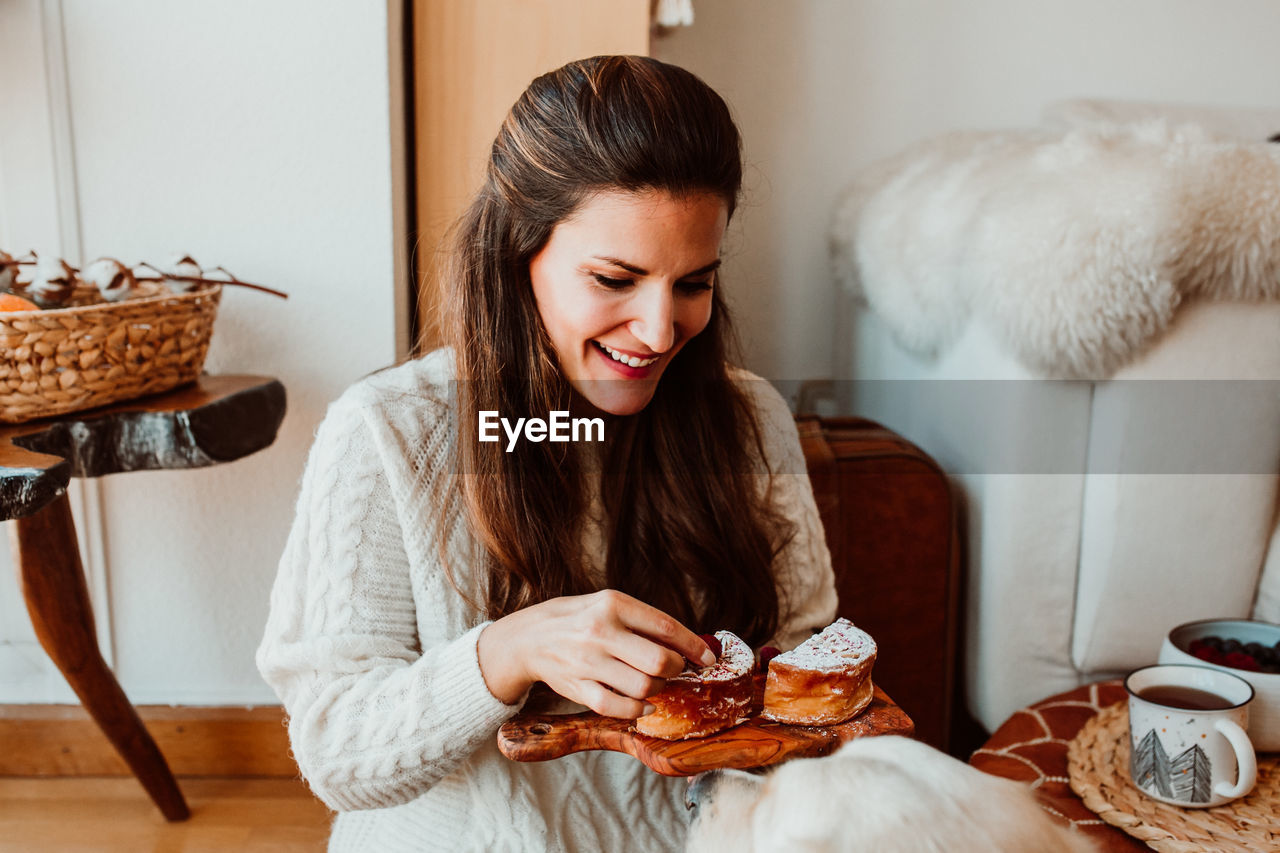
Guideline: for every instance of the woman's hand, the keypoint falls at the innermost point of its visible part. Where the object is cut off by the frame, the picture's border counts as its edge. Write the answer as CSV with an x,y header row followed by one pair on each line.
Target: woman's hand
x,y
605,650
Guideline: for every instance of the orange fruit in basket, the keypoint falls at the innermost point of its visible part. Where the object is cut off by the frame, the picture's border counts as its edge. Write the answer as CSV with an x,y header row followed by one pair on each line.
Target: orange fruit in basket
x,y
14,302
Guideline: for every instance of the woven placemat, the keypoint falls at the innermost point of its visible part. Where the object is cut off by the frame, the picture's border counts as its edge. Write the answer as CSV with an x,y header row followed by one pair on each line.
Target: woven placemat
x,y
1098,766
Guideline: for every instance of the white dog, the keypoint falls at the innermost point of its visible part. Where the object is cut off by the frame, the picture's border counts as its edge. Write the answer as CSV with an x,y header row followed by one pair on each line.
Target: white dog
x,y
875,795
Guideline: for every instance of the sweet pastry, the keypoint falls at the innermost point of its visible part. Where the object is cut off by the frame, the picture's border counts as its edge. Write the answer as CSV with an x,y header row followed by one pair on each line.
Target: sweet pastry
x,y
823,681
703,701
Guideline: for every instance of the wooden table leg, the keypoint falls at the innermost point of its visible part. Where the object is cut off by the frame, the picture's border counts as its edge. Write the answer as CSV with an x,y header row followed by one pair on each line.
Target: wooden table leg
x,y
57,597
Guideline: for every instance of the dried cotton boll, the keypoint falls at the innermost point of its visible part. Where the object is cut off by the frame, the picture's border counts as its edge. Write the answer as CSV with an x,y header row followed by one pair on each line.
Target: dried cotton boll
x,y
53,282
113,279
8,270
182,265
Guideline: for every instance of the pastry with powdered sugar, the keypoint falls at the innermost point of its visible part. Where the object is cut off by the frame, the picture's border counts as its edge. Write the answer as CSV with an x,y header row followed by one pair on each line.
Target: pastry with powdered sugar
x,y
823,681
704,700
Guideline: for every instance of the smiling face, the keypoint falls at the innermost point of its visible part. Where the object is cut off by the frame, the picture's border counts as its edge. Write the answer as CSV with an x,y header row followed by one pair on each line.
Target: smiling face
x,y
622,285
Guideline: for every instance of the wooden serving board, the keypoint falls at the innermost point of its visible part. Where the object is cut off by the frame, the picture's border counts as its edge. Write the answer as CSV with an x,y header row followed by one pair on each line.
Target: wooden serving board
x,y
755,743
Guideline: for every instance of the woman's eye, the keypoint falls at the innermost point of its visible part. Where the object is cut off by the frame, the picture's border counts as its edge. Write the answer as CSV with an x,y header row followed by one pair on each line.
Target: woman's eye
x,y
694,286
682,286
611,283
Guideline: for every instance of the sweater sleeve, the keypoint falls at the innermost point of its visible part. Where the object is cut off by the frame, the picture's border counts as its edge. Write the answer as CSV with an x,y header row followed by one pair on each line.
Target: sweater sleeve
x,y
806,581
374,719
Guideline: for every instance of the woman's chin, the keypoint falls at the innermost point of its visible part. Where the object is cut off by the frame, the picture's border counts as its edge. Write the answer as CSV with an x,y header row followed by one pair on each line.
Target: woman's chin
x,y
615,397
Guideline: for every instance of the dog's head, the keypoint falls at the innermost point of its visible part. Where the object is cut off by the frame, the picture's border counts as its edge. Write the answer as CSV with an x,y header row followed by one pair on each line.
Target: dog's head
x,y
882,794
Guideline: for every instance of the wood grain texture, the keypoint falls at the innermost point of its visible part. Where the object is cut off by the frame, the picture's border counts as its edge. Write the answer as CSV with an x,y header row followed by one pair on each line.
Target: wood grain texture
x,y
63,740
57,599
106,815
216,419
755,743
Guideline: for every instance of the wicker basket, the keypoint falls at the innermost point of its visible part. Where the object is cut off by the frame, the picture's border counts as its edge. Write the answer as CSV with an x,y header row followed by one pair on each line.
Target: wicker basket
x,y
94,353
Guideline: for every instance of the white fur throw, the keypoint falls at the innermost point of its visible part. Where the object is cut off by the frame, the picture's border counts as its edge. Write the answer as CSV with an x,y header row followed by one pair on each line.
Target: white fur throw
x,y
1074,249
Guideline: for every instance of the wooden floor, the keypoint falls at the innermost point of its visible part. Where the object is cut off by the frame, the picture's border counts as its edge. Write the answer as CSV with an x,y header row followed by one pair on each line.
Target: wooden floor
x,y
228,815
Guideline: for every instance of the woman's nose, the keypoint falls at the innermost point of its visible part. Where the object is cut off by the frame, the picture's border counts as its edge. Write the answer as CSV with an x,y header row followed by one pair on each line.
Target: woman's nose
x,y
654,322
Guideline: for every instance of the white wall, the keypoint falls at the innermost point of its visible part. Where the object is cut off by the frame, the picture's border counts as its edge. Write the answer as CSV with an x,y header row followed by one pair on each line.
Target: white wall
x,y
251,133
822,88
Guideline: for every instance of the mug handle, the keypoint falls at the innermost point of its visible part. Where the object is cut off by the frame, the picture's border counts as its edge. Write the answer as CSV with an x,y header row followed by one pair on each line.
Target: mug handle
x,y
1245,760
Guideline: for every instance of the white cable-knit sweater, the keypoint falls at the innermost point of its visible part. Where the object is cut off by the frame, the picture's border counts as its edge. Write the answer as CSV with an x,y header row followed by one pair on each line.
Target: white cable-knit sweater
x,y
373,653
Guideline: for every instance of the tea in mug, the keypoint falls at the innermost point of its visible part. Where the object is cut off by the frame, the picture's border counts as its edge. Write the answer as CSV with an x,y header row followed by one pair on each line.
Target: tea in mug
x,y
1186,698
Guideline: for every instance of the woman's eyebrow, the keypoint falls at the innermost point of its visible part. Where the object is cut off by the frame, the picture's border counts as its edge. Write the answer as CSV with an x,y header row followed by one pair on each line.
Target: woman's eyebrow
x,y
635,270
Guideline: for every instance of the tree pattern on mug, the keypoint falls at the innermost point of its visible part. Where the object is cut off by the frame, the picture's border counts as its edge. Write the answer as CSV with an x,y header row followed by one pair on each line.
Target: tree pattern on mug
x,y
1149,766
1186,778
1191,774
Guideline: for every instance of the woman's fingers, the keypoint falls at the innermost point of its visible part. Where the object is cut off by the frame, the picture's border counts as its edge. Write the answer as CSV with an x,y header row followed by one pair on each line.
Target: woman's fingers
x,y
641,618
626,680
607,703
605,650
647,657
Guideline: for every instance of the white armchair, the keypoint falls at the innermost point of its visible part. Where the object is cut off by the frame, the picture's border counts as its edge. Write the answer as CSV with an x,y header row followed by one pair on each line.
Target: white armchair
x,y
1098,510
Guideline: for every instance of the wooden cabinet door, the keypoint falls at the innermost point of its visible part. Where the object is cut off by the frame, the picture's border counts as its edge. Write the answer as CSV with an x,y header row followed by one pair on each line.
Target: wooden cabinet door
x,y
471,60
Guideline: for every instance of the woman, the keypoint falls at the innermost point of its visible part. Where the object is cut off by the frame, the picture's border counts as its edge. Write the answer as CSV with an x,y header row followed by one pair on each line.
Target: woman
x,y
432,576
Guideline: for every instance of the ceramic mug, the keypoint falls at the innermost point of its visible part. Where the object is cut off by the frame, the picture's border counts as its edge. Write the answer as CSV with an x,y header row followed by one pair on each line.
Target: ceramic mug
x,y
1187,730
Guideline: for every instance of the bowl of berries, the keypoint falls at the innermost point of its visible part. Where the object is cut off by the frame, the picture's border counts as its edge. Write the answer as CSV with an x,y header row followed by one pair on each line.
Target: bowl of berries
x,y
1243,647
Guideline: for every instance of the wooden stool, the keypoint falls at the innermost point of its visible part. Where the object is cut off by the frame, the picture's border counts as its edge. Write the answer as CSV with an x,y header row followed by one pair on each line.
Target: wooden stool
x,y
217,419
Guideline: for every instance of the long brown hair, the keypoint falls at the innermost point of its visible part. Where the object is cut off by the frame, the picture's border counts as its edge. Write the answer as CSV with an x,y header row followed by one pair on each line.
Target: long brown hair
x,y
688,526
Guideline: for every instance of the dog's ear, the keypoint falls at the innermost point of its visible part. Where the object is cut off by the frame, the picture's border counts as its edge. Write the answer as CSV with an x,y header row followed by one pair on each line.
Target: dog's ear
x,y
720,804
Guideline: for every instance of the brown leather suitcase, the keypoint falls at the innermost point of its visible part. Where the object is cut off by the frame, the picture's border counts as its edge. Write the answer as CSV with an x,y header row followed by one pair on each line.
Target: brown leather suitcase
x,y
891,526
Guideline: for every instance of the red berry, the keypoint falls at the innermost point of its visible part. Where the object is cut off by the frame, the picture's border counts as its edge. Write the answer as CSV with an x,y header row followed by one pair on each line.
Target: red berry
x,y
1196,646
766,654
712,643
1240,660
1206,653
